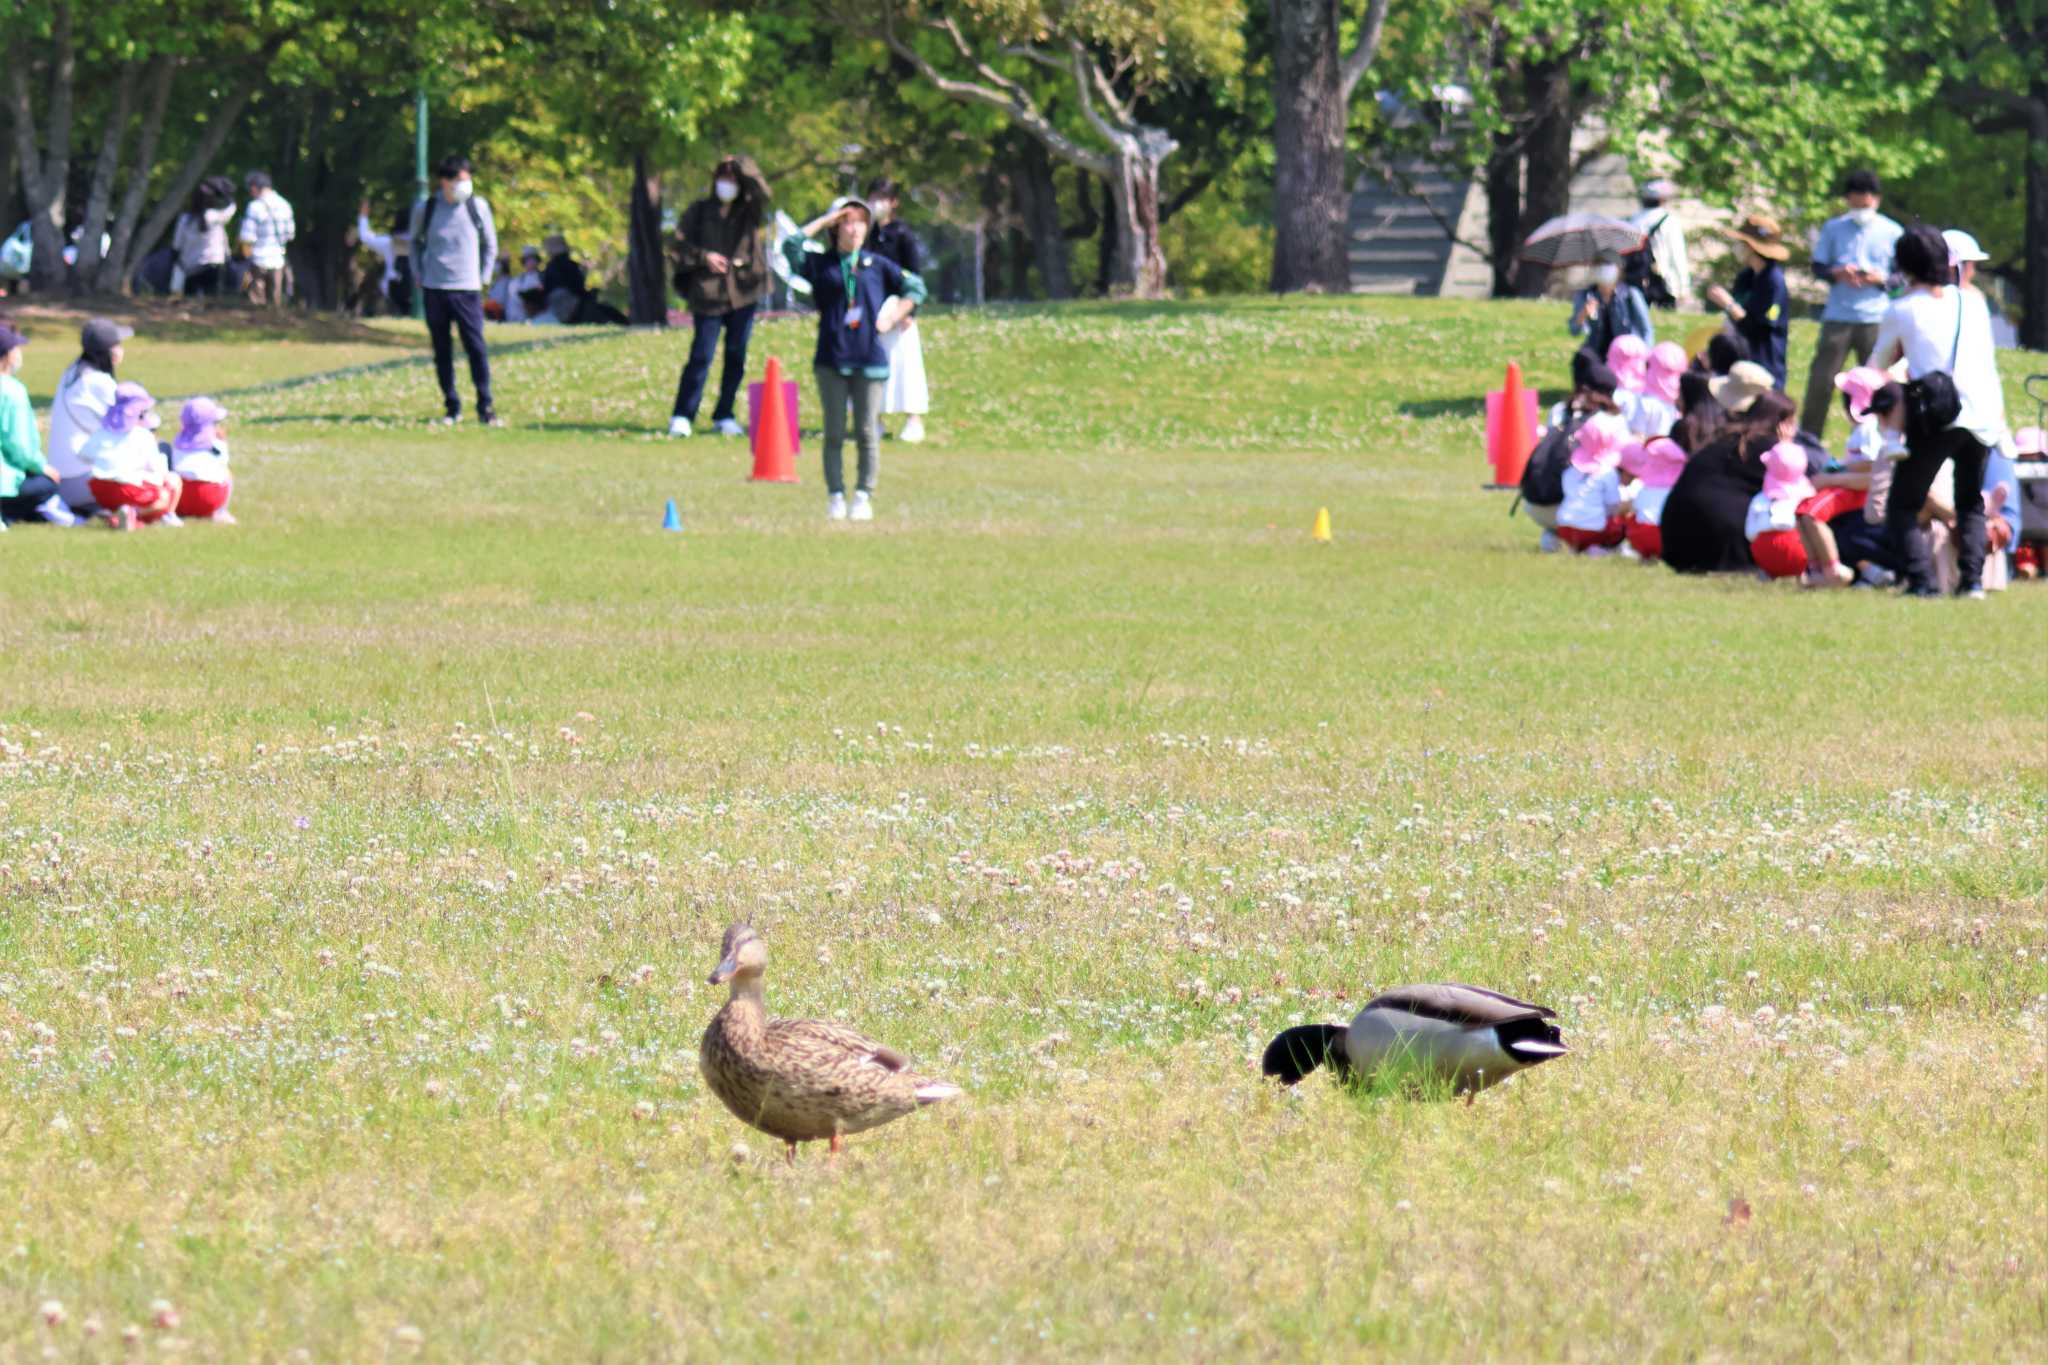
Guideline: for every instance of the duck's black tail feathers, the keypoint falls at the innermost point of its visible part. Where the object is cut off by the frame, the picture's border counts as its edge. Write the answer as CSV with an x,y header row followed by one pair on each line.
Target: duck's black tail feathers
x,y
1298,1051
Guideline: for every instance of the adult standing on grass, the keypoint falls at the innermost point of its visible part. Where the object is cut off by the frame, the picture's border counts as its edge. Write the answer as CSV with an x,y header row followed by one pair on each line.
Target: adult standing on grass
x,y
1757,303
84,394
28,490
267,229
200,239
1934,327
1610,307
454,245
1660,268
906,392
1854,256
850,286
722,274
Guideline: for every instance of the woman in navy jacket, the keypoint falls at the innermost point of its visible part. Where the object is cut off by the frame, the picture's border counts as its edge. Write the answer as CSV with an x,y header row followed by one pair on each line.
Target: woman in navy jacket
x,y
1758,304
850,286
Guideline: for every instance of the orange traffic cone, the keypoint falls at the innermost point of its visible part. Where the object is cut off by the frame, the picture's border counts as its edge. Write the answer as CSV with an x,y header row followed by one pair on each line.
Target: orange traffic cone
x,y
1510,429
774,442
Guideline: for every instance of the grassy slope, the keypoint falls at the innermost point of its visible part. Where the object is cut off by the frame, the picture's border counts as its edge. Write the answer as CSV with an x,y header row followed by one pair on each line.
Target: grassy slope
x,y
337,842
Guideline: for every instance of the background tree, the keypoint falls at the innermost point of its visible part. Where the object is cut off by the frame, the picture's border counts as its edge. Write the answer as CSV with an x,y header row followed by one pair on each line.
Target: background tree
x,y
1314,75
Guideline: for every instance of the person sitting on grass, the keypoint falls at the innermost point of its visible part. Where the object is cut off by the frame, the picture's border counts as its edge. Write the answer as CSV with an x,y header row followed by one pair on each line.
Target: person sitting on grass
x,y
850,287
1656,463
84,394
131,479
199,457
1772,524
1704,528
28,489
1655,409
1589,519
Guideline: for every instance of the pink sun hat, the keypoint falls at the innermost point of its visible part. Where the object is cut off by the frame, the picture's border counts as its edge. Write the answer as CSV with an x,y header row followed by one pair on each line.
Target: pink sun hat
x,y
1628,356
199,424
1785,473
1666,366
1599,446
132,407
2030,441
1660,461
1860,383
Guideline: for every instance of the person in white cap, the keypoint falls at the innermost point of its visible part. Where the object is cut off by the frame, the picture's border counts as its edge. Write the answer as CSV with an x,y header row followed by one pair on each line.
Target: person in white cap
x,y
1982,371
1665,277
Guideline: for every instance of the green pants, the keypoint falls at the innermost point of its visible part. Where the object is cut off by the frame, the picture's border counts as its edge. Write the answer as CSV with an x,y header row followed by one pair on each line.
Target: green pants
x,y
1830,357
835,390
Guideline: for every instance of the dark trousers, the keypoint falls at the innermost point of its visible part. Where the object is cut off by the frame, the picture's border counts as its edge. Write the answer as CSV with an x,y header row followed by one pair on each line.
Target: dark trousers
x,y
738,325
463,309
1910,482
205,282
35,490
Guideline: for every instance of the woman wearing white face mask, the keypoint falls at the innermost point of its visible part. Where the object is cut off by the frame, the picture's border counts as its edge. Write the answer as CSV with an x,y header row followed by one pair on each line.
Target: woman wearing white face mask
x,y
722,274
1609,308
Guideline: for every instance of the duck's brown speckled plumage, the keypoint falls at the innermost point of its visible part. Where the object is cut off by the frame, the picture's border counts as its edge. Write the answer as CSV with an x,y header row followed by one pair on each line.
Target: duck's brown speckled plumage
x,y
801,1080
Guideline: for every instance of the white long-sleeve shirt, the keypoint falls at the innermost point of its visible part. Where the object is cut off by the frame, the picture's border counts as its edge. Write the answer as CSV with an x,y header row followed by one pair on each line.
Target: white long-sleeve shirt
x,y
383,244
1667,248
1589,500
83,396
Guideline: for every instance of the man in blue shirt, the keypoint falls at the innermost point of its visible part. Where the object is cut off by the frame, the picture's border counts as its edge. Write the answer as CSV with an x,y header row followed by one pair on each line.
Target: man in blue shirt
x,y
1854,256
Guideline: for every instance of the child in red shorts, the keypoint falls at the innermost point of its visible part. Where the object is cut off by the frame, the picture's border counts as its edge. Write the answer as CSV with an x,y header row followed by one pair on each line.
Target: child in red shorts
x,y
130,478
199,457
1657,463
1589,518
1773,522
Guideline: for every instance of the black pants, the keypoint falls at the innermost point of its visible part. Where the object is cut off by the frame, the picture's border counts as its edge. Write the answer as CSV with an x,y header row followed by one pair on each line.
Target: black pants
x,y
739,325
463,309
35,490
205,282
1910,482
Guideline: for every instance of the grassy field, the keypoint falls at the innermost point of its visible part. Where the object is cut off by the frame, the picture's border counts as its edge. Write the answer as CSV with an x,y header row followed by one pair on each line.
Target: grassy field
x,y
362,864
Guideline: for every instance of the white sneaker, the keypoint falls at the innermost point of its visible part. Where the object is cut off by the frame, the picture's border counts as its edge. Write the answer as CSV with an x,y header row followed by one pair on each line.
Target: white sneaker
x,y
913,429
1596,552
835,507
1629,551
679,426
863,509
726,426
1550,544
222,518
171,519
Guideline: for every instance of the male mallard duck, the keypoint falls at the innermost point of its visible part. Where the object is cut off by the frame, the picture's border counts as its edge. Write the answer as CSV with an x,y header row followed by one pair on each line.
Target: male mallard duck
x,y
1462,1034
800,1079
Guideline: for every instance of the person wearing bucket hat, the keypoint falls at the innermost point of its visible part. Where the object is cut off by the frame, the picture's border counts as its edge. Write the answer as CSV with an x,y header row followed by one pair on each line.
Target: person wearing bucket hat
x,y
1745,382
1853,257
84,393
28,488
1589,518
199,457
1772,524
1757,304
850,285
131,479
1655,410
1656,464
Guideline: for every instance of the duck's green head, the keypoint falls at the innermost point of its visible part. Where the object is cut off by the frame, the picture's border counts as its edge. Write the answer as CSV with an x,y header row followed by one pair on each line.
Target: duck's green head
x,y
743,954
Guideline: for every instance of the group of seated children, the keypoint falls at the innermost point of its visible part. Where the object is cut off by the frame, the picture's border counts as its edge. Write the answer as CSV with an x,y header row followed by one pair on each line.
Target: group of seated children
x,y
1612,453
104,460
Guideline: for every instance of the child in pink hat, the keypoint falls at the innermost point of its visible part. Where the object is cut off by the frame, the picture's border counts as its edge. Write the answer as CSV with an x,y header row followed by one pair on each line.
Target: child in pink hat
x,y
1627,355
1773,521
1655,408
1657,463
199,457
1867,438
130,479
1589,518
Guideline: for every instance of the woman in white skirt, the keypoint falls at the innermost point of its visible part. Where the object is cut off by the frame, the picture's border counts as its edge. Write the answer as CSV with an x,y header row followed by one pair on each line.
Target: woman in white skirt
x,y
905,391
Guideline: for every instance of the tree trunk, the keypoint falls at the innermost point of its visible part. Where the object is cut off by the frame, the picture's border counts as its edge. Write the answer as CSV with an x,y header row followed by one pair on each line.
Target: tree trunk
x,y
1038,201
158,94
2034,326
173,202
1140,264
1105,242
646,261
1309,120
1504,210
45,172
99,200
1547,193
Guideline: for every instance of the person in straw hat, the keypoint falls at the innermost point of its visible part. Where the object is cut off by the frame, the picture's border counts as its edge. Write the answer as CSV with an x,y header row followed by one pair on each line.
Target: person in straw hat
x,y
1757,304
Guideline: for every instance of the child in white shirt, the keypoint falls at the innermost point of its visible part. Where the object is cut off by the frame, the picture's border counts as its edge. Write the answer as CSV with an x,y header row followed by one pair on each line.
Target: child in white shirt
x,y
199,457
1657,463
1773,521
131,480
1589,518
1655,409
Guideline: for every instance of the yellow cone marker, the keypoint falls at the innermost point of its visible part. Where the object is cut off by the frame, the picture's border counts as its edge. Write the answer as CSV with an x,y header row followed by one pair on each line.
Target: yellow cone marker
x,y
1322,530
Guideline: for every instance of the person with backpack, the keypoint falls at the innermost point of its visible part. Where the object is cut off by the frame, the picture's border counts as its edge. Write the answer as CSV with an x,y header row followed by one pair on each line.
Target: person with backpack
x,y
1950,408
1542,491
267,229
455,244
1659,268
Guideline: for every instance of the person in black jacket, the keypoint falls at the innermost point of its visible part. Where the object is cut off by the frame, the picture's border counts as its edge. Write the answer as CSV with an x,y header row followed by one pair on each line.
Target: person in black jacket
x,y
906,391
1758,304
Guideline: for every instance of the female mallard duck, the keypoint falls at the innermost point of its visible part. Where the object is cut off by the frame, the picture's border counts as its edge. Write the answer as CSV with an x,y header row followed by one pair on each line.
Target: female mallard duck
x,y
1462,1035
800,1079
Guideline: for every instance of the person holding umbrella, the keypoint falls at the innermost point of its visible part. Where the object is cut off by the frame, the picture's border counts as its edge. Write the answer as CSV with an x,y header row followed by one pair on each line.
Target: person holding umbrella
x,y
1757,304
1610,307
